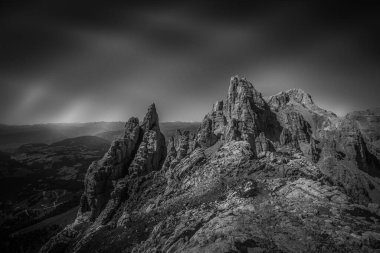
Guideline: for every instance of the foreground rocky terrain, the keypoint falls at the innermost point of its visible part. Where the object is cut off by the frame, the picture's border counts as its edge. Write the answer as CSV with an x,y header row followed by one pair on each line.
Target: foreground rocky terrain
x,y
275,174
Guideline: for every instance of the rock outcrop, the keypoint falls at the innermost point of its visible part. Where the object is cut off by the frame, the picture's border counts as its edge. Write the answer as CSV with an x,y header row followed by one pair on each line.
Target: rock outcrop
x,y
140,151
152,150
206,136
275,175
263,144
297,101
242,116
172,154
179,147
335,144
293,96
368,123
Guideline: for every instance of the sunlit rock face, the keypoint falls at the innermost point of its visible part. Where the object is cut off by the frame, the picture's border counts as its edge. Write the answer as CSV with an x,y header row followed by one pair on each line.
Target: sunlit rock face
x,y
260,175
293,96
242,116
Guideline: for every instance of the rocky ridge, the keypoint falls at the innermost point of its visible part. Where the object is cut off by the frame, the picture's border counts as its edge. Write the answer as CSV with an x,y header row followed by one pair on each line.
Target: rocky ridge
x,y
261,175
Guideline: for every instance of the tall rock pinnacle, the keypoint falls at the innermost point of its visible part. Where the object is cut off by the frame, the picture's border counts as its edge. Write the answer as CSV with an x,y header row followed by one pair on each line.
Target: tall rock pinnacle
x,y
243,99
151,119
140,151
242,116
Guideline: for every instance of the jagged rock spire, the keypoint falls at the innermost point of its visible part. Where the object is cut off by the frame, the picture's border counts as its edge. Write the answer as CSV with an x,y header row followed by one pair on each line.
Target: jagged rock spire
x,y
242,96
151,119
140,151
130,127
242,116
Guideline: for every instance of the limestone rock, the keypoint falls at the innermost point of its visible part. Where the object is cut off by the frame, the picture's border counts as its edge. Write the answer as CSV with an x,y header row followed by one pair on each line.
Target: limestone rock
x,y
263,144
180,146
281,175
338,145
141,150
368,122
285,137
347,143
246,107
206,136
150,121
298,126
183,144
242,116
100,175
314,151
172,154
219,119
150,155
291,96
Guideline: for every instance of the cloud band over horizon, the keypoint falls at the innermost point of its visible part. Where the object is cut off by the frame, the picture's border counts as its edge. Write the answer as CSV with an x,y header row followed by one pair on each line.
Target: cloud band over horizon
x,y
71,61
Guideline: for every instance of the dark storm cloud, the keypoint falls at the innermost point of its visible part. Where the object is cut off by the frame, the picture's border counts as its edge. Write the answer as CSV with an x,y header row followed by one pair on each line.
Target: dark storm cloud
x,y
63,61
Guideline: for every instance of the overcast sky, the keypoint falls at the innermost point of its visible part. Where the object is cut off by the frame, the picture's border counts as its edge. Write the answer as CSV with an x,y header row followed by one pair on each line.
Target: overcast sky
x,y
80,61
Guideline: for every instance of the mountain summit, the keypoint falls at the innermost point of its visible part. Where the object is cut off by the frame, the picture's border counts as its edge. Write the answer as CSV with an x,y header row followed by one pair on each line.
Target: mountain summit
x,y
260,175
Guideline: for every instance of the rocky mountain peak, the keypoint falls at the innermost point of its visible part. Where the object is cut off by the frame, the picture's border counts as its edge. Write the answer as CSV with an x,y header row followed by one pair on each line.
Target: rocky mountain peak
x,y
292,96
242,93
140,151
257,177
151,119
242,116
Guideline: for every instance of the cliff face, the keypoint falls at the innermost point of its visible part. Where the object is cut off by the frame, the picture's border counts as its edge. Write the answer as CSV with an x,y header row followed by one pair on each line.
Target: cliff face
x,y
368,122
141,151
260,175
242,116
337,145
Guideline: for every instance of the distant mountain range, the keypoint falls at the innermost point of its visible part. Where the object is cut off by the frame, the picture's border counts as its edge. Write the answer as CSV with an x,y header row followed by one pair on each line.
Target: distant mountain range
x,y
12,136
